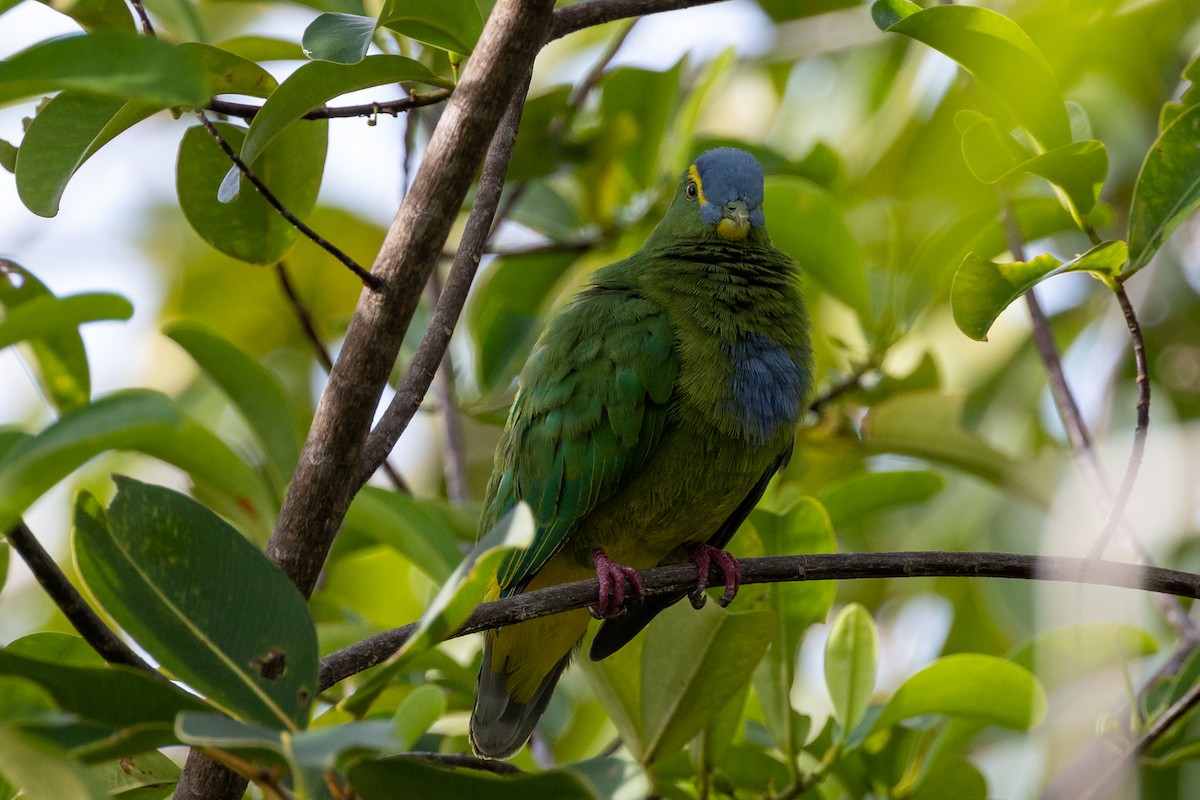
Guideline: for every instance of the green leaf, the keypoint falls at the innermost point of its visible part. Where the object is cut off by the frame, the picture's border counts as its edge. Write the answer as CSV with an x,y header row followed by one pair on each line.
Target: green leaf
x,y
340,38
997,52
64,134
954,779
129,420
94,14
313,85
248,228
1167,189
968,685
806,223
637,107
202,600
1061,656
453,603
8,156
258,395
379,779
23,700
117,63
421,530
59,361
850,654
228,72
801,529
983,288
863,493
990,153
262,48
665,687
42,770
47,316
422,707
452,25
928,425
150,770
114,695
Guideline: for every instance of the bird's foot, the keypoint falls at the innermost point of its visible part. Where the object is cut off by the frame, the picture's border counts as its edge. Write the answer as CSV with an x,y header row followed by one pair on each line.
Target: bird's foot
x,y
612,577
704,556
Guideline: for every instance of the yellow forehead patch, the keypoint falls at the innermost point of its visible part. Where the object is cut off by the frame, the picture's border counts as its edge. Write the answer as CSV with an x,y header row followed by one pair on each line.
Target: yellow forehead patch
x,y
694,174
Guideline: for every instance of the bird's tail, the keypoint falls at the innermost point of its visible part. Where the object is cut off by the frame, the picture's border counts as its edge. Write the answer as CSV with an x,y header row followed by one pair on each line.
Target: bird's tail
x,y
521,665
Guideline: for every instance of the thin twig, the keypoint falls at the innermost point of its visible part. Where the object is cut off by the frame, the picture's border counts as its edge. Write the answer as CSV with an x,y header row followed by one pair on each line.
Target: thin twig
x,y
393,108
143,17
429,354
370,281
310,332
851,381
71,603
677,578
1117,512
454,453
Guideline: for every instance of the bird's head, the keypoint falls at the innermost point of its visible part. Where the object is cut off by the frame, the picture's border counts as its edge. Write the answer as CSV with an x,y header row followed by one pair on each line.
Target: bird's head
x,y
722,191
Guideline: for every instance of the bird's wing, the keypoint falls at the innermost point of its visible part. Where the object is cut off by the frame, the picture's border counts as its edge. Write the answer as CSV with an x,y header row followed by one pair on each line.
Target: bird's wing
x,y
592,402
617,632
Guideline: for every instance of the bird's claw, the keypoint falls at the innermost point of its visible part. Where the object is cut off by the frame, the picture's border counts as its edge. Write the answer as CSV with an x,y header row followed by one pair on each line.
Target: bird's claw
x,y
612,577
704,555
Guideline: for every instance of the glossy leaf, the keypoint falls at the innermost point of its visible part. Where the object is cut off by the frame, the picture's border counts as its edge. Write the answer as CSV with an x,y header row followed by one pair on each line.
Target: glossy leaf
x,y
378,780
311,86
254,390
1167,189
452,25
116,63
147,771
862,493
955,779
43,771
928,425
130,420
8,156
422,707
421,530
114,695
452,605
248,228
262,48
850,661
982,288
801,529
59,361
228,72
806,223
47,316
996,51
23,700
174,576
340,38
637,106
95,15
1068,654
64,134
967,685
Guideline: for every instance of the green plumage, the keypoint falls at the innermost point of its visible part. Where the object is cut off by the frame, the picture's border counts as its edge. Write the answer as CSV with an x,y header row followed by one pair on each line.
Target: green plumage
x,y
652,412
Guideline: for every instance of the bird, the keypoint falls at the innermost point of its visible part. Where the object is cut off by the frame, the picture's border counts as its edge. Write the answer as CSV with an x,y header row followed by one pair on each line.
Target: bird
x,y
651,414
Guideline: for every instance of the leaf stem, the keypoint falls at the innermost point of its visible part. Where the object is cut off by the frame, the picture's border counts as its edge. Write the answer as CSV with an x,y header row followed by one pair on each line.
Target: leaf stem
x,y
370,281
248,111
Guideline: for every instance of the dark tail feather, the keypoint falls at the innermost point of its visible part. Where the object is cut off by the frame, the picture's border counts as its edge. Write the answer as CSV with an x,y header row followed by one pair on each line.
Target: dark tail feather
x,y
499,725
616,633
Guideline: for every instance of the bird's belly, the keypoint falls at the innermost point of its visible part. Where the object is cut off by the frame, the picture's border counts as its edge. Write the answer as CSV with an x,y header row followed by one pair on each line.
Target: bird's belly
x,y
688,488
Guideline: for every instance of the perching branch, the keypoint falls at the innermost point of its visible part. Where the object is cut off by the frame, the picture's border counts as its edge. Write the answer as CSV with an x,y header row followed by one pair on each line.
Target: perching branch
x,y
71,603
676,578
1117,512
366,277
247,111
454,451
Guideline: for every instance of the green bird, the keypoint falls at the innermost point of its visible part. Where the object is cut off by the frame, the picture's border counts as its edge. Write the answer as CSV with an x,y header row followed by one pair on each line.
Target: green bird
x,y
648,420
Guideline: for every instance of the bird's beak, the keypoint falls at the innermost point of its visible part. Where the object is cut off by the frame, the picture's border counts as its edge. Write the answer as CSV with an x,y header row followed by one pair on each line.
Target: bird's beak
x,y
735,221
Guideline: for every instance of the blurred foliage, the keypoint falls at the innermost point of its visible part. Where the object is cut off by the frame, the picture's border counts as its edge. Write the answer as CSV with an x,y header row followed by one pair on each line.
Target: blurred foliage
x,y
903,148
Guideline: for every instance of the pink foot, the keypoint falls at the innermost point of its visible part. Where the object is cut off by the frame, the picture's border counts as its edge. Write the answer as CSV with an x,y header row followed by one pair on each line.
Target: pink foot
x,y
612,577
704,556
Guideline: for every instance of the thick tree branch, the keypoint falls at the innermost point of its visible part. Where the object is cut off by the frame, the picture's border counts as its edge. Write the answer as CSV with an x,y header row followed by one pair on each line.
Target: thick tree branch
x,y
588,13
676,578
71,603
330,472
453,295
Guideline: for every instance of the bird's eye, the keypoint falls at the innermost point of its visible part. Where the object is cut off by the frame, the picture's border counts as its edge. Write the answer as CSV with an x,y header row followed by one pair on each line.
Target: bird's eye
x,y
691,190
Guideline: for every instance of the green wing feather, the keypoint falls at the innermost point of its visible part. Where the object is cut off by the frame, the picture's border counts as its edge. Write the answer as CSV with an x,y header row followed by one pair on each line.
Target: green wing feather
x,y
591,403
